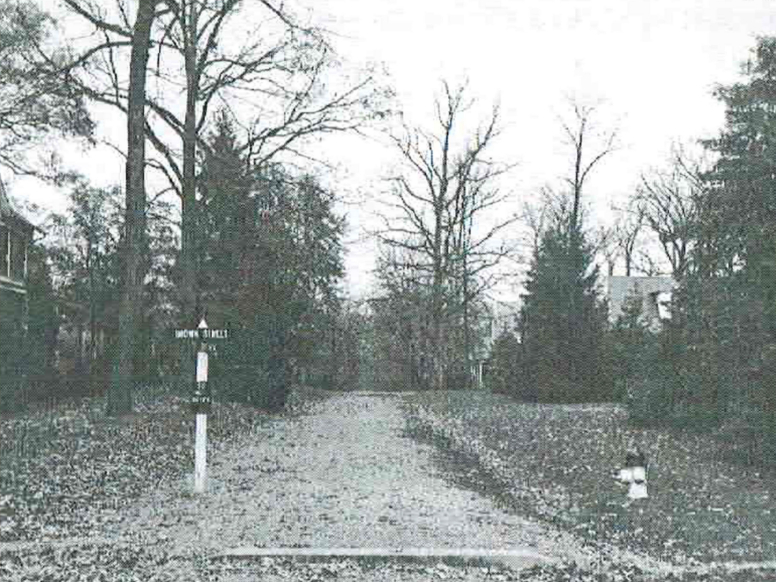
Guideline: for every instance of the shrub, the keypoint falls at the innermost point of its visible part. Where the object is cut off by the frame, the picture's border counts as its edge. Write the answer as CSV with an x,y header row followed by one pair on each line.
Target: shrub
x,y
504,366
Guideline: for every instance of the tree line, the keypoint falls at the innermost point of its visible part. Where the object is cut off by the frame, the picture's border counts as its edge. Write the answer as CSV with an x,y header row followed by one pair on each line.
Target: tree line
x,y
245,233
256,244
707,221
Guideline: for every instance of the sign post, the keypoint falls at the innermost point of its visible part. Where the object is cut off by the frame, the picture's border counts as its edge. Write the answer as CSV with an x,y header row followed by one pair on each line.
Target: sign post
x,y
201,402
201,397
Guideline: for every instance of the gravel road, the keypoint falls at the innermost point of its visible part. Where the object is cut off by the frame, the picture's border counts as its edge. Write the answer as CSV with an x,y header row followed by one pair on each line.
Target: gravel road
x,y
342,477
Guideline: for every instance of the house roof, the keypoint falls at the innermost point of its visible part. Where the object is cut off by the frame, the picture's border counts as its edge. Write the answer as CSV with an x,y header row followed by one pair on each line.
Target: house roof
x,y
7,211
619,288
5,207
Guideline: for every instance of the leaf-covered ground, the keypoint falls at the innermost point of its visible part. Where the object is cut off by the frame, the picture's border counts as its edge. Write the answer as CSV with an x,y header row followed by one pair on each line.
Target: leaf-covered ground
x,y
557,464
67,469
89,498
84,497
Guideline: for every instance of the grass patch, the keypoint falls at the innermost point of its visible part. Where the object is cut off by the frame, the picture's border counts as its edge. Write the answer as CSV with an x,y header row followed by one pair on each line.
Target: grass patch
x,y
556,463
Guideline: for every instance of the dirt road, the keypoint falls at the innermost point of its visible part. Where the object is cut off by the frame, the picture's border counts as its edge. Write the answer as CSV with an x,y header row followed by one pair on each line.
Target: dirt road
x,y
343,480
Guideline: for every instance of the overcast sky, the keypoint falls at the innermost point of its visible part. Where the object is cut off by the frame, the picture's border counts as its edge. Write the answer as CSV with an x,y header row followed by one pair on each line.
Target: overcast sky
x,y
650,65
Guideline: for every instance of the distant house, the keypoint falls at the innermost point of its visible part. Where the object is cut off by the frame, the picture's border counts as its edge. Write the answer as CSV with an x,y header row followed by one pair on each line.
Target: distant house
x,y
653,292
500,316
15,237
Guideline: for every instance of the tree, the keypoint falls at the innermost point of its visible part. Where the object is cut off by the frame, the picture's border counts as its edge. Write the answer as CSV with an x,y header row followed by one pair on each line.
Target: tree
x,y
743,176
270,261
627,232
41,338
229,213
36,100
504,366
579,131
283,79
278,74
445,184
723,321
561,322
668,201
83,246
726,308
403,349
620,239
135,247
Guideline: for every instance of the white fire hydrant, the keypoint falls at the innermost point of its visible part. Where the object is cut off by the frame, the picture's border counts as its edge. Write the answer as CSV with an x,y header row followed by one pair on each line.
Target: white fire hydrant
x,y
634,474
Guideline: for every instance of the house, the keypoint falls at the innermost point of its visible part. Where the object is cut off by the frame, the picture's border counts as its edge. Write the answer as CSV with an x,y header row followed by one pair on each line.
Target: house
x,y
15,237
653,292
500,316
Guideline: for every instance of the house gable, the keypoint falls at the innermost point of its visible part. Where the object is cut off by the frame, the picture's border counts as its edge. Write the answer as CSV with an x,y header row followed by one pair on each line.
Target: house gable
x,y
649,289
15,237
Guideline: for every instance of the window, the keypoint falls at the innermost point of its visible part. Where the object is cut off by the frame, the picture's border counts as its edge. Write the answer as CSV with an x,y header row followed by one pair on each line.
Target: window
x,y
18,256
3,251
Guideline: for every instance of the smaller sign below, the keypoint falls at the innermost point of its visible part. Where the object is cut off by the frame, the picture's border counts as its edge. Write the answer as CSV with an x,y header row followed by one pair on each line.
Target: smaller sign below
x,y
201,366
201,400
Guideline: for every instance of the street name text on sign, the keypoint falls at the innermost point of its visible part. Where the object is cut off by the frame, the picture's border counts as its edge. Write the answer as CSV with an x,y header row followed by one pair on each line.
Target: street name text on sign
x,y
202,333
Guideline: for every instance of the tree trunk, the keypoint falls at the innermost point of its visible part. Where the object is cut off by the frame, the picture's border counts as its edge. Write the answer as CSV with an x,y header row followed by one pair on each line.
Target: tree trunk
x,y
437,366
134,239
188,260
92,306
466,335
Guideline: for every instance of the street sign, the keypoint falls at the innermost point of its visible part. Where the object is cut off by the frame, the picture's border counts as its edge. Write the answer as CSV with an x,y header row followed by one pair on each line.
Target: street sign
x,y
200,399
202,334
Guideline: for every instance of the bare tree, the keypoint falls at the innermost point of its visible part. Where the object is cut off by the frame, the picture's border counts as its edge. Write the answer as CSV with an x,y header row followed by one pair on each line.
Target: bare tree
x,y
580,133
278,77
625,233
134,247
444,186
552,208
648,265
605,245
275,85
669,201
36,100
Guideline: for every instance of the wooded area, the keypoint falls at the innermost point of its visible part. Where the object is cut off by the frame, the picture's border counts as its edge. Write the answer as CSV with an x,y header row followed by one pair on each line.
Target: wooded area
x,y
247,232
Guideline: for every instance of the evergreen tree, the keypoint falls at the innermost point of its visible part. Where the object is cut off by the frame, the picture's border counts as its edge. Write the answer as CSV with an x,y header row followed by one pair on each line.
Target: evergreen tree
x,y
228,218
746,170
562,321
725,312
504,366
270,262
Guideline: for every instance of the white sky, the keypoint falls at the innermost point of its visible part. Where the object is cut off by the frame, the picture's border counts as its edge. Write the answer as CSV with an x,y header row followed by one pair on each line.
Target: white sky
x,y
651,64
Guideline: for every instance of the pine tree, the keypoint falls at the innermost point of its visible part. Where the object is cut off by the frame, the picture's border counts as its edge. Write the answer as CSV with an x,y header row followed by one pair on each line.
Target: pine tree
x,y
504,366
228,219
562,321
270,260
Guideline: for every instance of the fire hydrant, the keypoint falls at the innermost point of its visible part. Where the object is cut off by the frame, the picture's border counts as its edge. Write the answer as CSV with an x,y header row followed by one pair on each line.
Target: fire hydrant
x,y
635,474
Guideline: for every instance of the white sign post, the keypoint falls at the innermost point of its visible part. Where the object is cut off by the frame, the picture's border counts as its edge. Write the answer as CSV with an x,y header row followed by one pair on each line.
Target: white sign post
x,y
200,439
201,398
